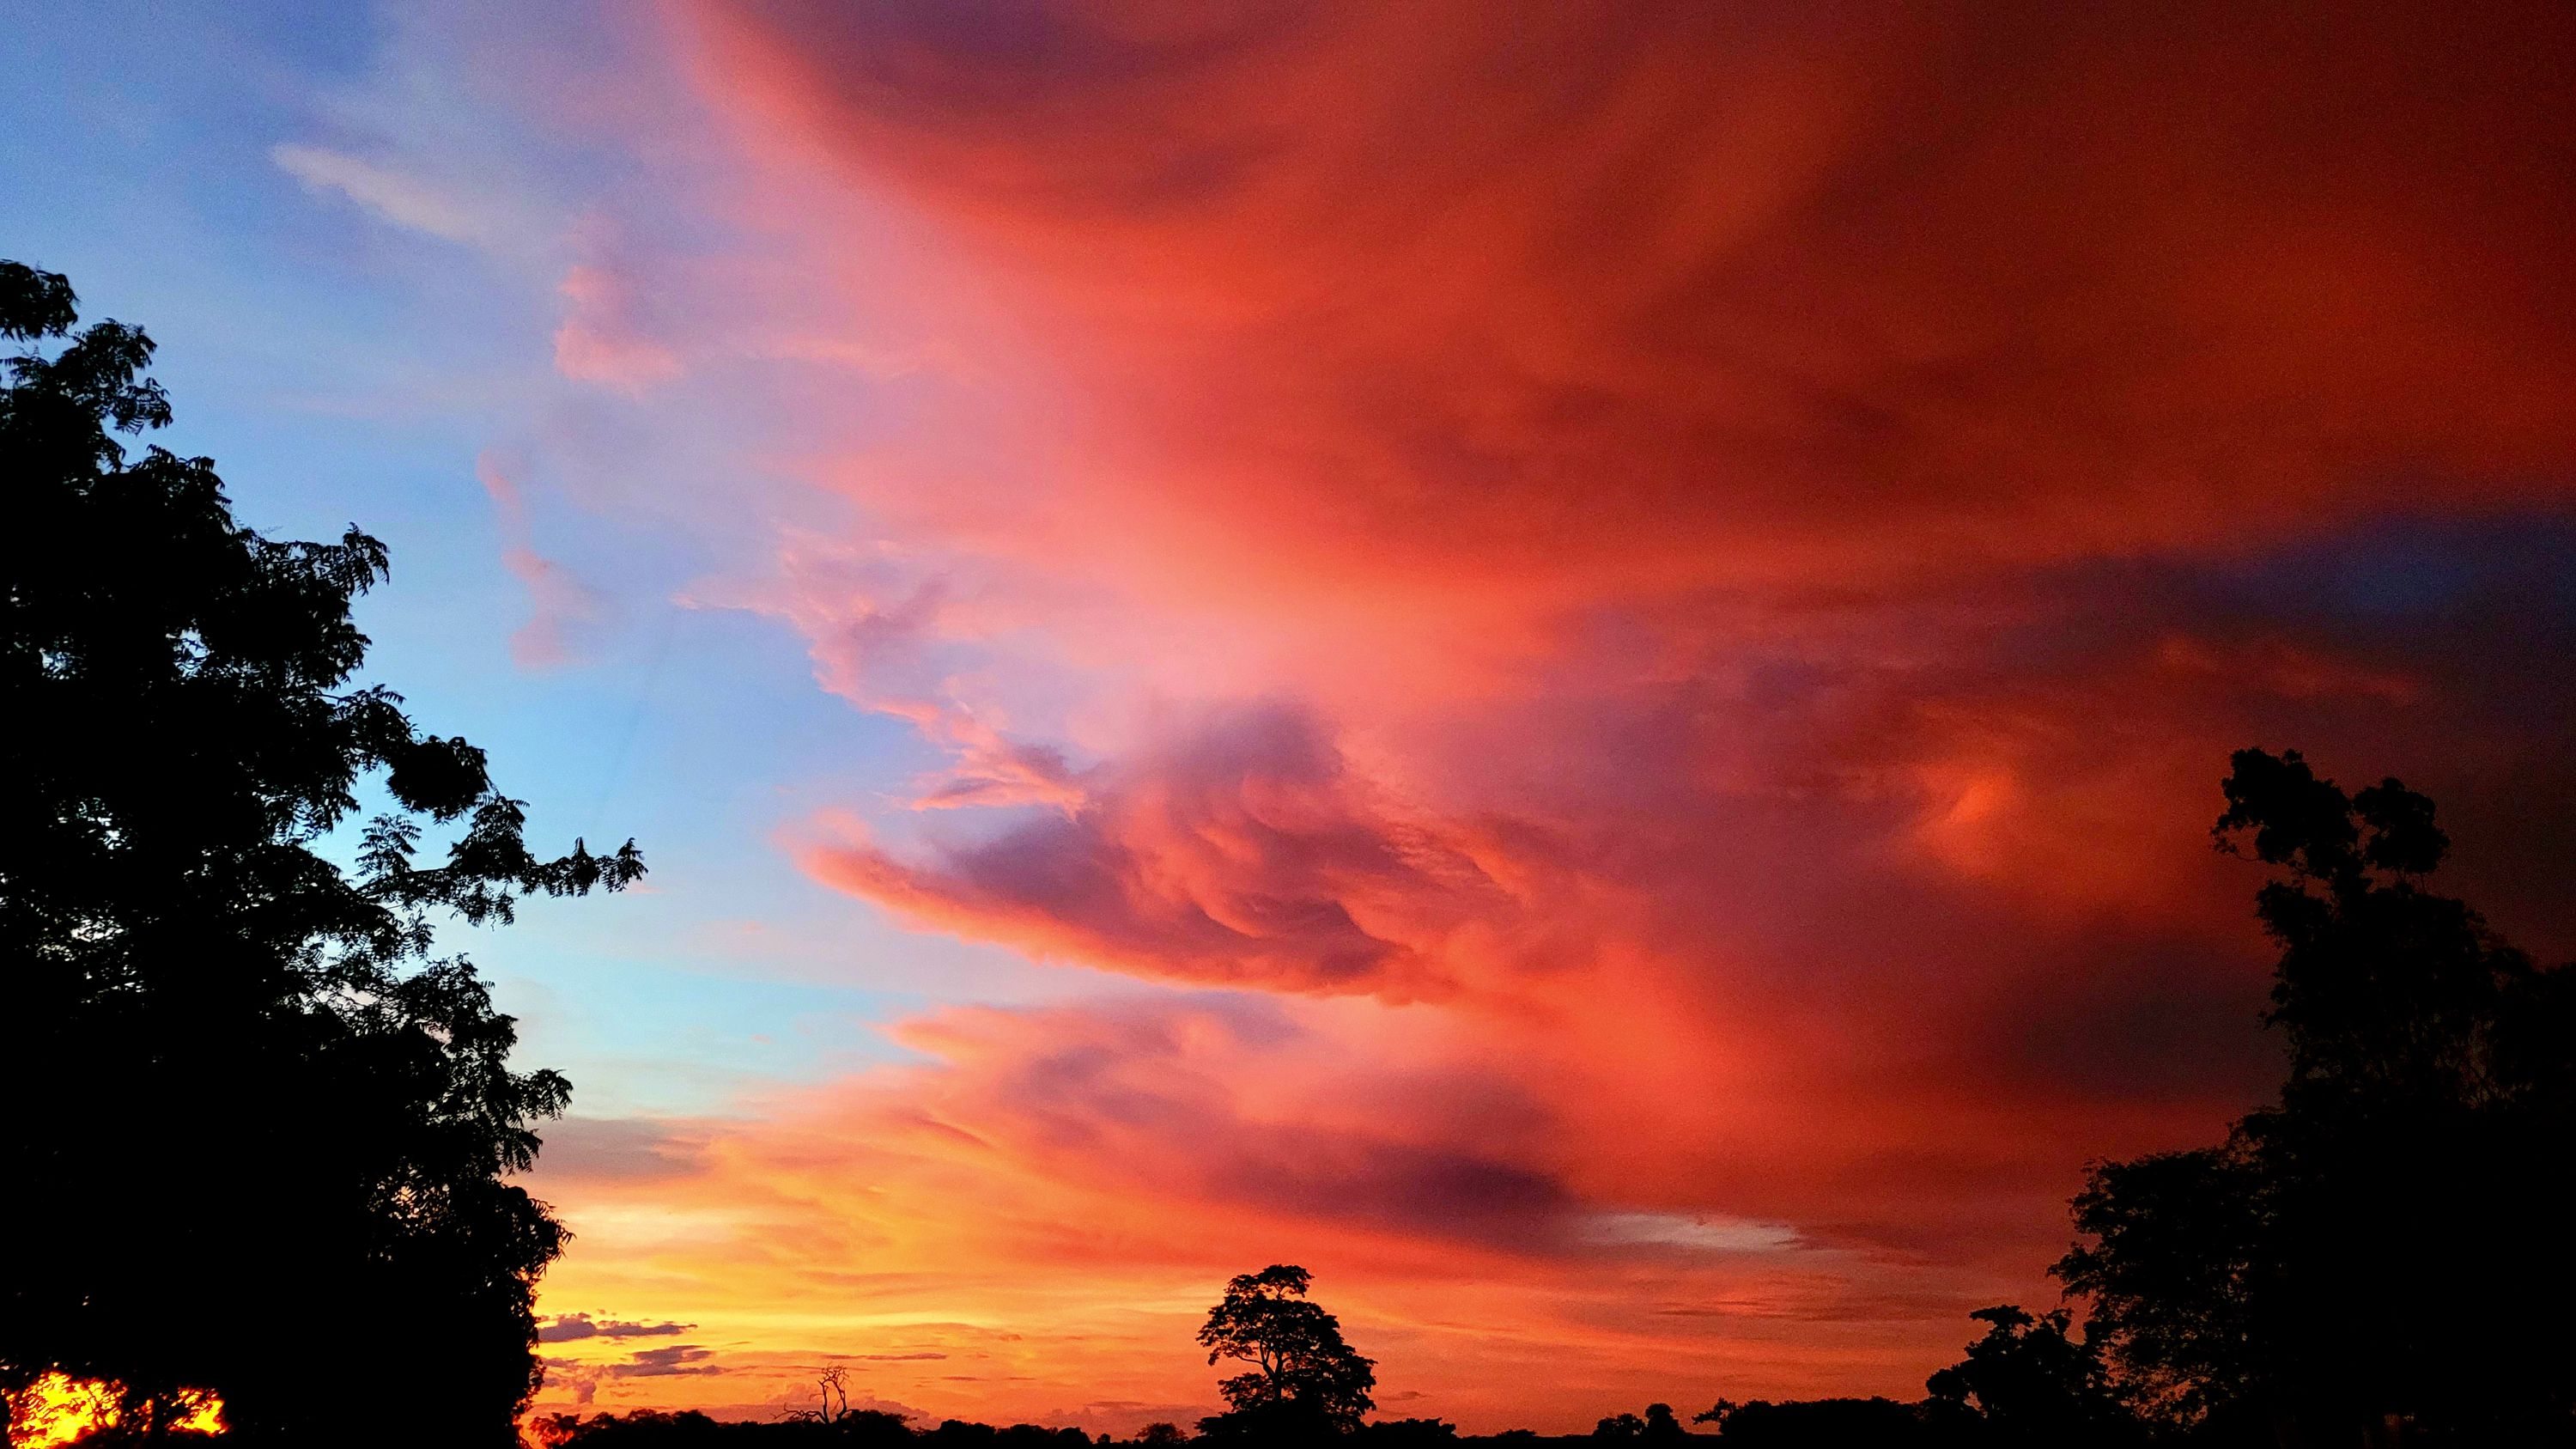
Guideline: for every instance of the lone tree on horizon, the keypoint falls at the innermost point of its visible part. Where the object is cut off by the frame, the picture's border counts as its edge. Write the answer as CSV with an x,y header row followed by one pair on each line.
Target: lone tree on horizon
x,y
260,1137
1304,1380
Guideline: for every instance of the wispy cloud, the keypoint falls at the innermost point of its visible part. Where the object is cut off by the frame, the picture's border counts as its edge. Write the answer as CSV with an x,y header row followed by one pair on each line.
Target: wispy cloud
x,y
600,340
560,604
395,195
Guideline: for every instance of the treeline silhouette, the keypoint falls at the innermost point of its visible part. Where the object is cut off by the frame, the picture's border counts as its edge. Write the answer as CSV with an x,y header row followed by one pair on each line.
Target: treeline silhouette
x,y
262,1135
2025,1382
1813,1424
1818,1424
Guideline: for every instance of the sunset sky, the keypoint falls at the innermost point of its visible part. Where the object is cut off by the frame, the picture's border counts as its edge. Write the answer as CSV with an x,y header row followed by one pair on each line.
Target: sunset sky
x,y
1568,662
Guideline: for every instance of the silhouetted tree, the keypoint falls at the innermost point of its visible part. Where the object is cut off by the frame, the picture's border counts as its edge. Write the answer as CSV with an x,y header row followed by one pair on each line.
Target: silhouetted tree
x,y
872,1426
2028,1382
657,1429
1304,1378
961,1432
1160,1433
259,1136
2368,1250
1659,1423
834,1385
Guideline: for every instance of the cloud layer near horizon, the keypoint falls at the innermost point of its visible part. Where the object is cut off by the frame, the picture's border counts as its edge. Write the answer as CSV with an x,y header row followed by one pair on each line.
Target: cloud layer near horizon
x,y
1631,614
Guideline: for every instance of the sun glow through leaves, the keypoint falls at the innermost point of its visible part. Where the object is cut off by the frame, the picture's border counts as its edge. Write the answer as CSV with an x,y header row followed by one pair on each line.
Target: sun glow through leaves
x,y
60,1409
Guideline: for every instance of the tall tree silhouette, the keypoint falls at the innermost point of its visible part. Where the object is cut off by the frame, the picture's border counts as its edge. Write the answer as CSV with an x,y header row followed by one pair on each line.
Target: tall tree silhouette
x,y
1304,1379
259,1133
2367,1251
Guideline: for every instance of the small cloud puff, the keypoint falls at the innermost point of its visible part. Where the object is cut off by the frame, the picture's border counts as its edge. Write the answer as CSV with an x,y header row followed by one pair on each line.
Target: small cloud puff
x,y
572,1327
601,341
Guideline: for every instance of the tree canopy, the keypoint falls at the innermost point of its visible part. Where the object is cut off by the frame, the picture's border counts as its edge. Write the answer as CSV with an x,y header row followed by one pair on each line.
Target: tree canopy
x,y
261,1134
2029,1381
1303,1379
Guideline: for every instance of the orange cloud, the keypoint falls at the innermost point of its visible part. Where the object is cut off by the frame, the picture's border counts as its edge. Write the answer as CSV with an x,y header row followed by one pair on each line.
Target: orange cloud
x,y
1030,1227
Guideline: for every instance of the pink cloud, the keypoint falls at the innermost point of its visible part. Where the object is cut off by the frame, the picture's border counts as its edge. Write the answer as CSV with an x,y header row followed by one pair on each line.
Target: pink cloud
x,y
600,341
559,602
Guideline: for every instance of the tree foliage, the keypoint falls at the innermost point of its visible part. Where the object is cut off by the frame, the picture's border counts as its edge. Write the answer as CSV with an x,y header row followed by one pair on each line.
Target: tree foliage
x,y
261,1135
1303,1378
1659,1423
2370,1247
2029,1381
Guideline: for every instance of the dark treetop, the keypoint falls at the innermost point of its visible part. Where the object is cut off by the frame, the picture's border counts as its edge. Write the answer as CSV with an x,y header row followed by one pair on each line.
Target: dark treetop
x,y
1300,1374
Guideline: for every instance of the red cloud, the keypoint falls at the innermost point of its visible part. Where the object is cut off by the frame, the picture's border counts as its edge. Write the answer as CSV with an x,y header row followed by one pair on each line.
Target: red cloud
x,y
1625,300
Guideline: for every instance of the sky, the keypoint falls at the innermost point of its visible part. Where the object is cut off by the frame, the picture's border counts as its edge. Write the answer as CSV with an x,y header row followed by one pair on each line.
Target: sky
x,y
1569,663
